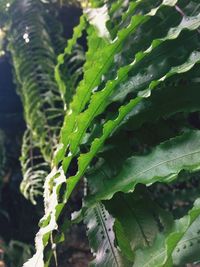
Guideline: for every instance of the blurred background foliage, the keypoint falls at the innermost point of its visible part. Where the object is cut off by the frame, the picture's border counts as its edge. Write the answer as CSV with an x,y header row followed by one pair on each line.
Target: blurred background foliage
x,y
16,241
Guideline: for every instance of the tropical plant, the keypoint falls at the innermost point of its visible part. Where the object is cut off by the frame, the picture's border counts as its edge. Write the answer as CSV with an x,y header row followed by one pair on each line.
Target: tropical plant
x,y
130,129
31,42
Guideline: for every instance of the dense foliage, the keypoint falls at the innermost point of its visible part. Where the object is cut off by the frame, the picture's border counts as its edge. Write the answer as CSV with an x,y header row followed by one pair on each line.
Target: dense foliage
x,y
122,113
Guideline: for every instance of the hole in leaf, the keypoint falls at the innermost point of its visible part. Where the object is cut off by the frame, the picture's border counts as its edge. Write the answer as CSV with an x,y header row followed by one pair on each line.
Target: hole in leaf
x,y
63,189
73,168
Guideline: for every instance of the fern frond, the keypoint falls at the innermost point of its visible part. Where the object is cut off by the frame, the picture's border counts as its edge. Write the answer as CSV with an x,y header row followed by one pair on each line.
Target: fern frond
x,y
34,168
61,60
34,62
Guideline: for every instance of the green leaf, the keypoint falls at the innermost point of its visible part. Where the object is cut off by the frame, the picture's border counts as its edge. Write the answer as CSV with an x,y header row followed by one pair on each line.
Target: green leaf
x,y
34,168
99,59
162,164
85,159
168,100
78,30
123,241
101,237
140,217
99,100
179,195
160,254
187,249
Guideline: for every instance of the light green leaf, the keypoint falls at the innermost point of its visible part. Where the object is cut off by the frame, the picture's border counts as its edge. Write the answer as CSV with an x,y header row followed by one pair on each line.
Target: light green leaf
x,y
78,30
99,100
97,64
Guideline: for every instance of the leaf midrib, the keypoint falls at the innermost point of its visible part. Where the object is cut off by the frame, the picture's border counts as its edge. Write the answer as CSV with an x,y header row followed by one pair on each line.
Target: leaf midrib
x,y
137,221
108,238
167,161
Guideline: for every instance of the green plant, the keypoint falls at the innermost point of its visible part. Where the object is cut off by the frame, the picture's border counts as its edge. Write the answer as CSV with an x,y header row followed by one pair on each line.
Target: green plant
x,y
16,253
30,41
127,130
